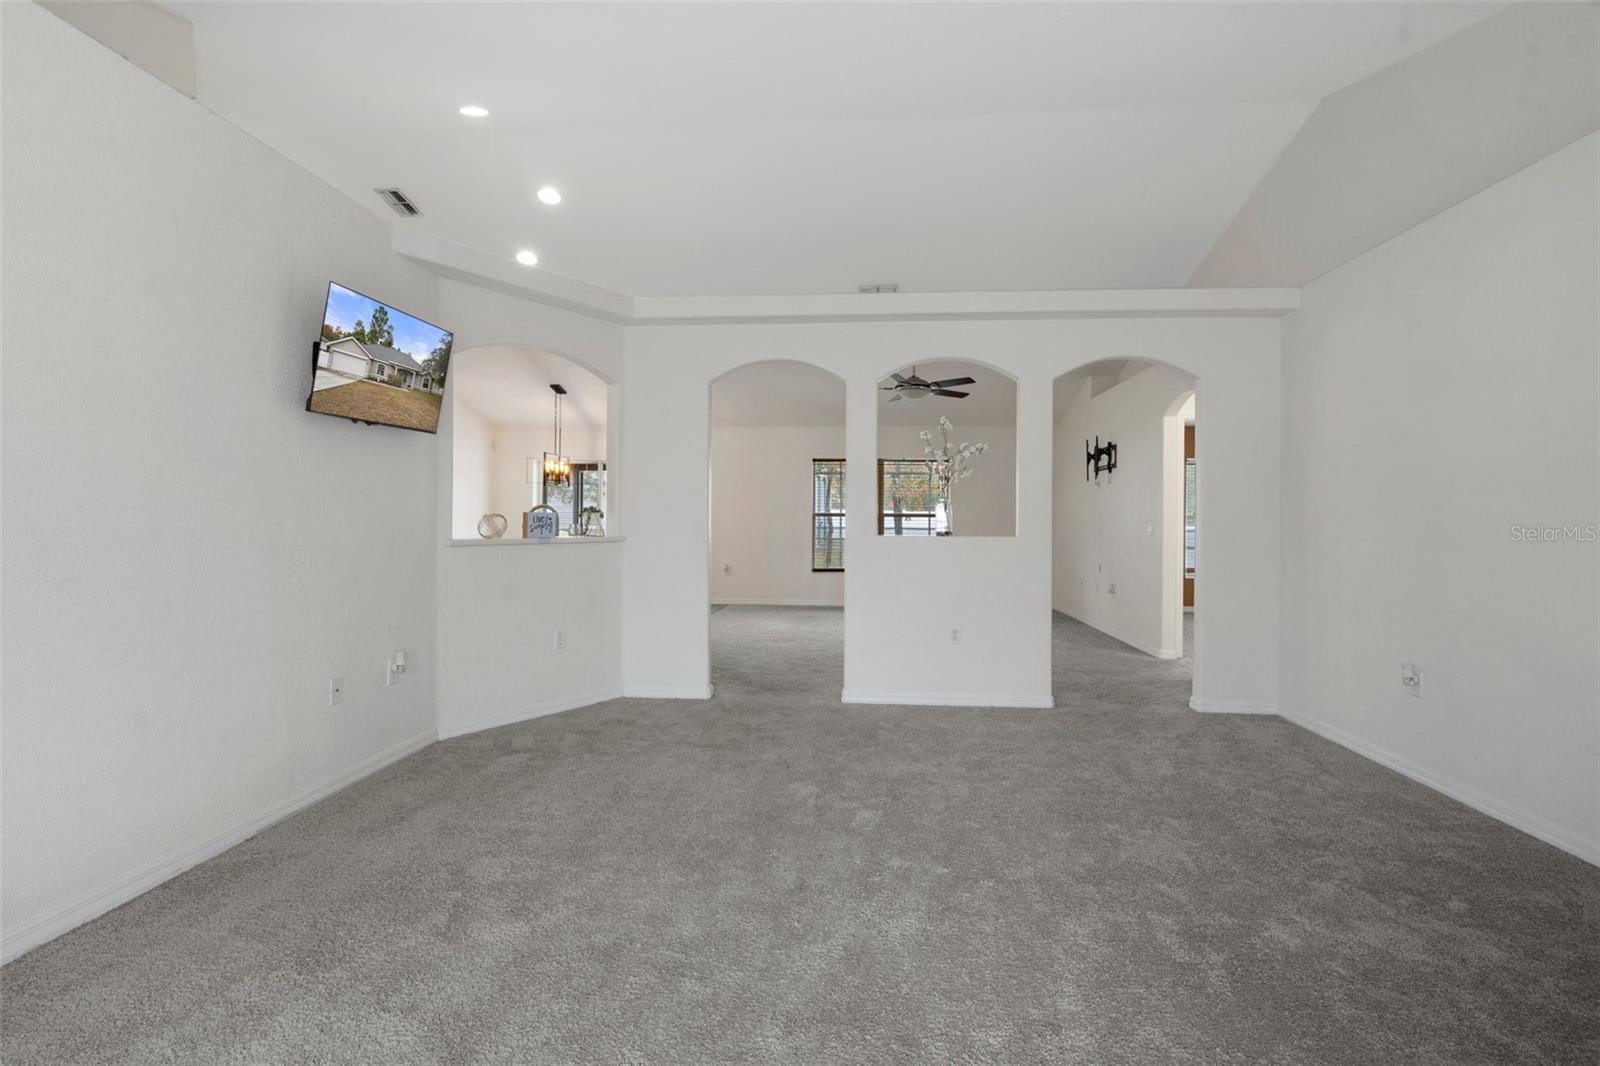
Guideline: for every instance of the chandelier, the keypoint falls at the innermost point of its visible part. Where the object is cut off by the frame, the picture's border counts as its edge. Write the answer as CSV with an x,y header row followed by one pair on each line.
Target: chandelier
x,y
557,467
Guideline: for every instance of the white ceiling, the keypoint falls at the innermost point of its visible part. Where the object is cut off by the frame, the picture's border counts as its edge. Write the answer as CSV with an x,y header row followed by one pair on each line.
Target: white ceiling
x,y
777,148
798,394
511,387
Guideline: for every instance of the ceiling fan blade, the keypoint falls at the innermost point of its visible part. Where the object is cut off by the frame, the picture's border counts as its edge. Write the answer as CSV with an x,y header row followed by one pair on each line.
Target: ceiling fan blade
x,y
951,382
896,398
901,378
947,392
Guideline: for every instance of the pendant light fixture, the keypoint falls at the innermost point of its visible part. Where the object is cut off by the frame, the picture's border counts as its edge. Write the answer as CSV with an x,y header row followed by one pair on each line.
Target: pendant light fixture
x,y
557,467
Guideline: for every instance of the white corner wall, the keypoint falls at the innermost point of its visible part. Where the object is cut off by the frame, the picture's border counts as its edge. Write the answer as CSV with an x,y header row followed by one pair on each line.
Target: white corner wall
x,y
995,589
188,556
1118,530
500,605
1440,393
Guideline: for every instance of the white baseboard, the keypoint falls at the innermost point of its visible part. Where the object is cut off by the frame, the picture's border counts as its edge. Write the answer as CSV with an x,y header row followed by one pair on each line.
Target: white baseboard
x,y
1532,824
538,710
90,905
1137,645
647,693
776,603
948,699
1232,706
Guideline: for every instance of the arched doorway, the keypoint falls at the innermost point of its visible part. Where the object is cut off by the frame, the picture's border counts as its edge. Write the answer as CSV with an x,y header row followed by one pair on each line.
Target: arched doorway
x,y
1119,542
778,541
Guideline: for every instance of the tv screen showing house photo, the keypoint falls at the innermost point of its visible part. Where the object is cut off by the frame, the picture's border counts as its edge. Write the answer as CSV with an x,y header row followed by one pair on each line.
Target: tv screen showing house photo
x,y
378,364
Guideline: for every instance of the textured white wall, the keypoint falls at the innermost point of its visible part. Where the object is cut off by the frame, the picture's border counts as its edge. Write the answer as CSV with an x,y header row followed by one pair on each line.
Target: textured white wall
x,y
761,514
1439,391
995,589
472,462
187,554
1117,530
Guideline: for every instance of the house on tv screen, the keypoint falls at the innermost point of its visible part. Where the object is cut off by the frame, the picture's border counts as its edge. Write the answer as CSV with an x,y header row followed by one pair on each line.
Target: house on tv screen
x,y
352,359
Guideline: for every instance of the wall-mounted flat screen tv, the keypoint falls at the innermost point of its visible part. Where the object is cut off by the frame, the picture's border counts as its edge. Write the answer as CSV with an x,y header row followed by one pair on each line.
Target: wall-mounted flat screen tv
x,y
375,363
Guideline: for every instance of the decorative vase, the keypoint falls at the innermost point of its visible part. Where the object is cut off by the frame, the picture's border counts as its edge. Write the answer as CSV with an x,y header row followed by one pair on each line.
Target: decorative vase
x,y
949,510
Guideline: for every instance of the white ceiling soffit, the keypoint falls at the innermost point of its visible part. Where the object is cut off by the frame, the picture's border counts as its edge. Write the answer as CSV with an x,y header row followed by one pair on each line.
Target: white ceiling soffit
x,y
1411,141
720,150
511,387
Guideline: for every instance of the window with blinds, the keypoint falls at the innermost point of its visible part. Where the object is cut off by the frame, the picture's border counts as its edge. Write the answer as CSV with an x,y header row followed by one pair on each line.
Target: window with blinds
x,y
1188,517
827,514
586,488
909,504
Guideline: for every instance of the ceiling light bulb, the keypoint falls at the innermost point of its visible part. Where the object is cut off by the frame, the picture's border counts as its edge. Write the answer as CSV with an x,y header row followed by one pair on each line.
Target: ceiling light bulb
x,y
527,258
549,195
474,111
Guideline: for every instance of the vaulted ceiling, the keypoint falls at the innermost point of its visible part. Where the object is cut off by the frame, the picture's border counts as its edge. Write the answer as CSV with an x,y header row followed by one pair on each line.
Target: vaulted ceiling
x,y
774,148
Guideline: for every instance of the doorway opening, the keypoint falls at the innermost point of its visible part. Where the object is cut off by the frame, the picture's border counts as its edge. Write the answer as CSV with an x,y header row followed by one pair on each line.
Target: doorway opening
x,y
1125,530
778,538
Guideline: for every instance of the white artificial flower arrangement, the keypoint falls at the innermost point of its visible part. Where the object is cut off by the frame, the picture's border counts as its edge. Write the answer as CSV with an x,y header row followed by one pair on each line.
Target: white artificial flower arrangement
x,y
950,462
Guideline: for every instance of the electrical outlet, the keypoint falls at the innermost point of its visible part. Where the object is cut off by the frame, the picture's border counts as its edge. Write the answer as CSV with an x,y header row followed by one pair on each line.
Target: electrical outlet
x,y
955,636
726,569
1112,588
560,640
335,691
396,668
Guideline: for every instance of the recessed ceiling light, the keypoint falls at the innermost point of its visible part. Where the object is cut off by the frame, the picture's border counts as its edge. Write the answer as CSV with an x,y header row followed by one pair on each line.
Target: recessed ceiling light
x,y
549,195
474,111
527,258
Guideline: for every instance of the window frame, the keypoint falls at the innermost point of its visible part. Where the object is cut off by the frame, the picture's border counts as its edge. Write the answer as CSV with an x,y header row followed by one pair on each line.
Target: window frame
x,y
816,514
932,517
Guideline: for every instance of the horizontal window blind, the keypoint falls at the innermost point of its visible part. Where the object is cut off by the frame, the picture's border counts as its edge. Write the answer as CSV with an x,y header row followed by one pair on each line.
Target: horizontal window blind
x,y
827,514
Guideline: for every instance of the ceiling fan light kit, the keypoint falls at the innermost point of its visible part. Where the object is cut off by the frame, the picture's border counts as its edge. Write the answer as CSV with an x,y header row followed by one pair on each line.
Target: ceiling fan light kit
x,y
916,388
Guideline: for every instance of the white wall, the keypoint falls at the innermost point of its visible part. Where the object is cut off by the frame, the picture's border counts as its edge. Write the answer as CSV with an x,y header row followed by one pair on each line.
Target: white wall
x,y
498,616
473,474
1117,530
500,604
188,555
761,514
1439,391
994,590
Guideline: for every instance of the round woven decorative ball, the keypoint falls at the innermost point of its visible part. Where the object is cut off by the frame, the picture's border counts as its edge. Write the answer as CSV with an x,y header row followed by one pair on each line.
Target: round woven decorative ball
x,y
492,526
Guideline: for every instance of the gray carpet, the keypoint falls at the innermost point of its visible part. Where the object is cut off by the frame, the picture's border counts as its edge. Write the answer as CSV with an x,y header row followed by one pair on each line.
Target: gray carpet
x,y
769,877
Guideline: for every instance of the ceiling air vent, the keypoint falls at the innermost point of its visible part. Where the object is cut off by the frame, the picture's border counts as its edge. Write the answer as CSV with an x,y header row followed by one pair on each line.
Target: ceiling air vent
x,y
891,287
397,200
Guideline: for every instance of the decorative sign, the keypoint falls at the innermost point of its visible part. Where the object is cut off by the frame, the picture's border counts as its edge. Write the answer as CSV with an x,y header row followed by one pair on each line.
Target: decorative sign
x,y
541,523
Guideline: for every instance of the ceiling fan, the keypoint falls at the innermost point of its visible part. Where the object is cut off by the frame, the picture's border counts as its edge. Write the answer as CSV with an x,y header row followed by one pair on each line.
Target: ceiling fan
x,y
915,388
